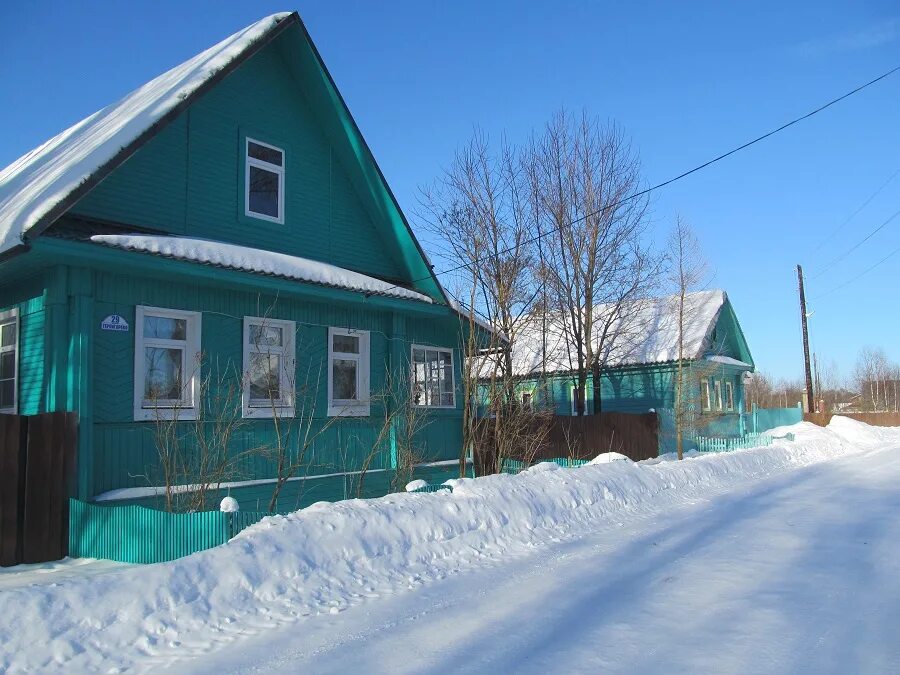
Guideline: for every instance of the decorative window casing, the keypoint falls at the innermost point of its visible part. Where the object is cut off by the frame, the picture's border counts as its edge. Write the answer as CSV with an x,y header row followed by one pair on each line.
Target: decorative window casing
x,y
269,367
717,395
166,364
348,373
263,181
704,395
433,377
729,396
574,401
9,361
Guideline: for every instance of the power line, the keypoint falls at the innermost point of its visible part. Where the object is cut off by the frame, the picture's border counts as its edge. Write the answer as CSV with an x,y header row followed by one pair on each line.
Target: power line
x,y
855,213
859,276
663,184
827,268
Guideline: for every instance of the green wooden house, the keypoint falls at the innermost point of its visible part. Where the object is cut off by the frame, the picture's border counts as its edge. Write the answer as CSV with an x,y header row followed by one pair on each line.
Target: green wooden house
x,y
225,220
642,364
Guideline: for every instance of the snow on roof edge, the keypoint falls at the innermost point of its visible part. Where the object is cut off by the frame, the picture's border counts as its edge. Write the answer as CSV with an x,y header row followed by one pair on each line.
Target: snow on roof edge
x,y
259,261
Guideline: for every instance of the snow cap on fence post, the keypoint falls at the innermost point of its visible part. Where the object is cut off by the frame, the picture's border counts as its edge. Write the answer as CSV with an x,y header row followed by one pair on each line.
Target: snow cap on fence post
x,y
229,505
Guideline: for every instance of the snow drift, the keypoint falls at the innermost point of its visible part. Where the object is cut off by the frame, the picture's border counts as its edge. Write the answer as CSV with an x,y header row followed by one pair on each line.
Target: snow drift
x,y
328,557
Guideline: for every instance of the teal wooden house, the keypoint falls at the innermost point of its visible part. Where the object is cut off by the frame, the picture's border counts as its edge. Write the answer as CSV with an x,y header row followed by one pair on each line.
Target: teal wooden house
x,y
642,364
225,220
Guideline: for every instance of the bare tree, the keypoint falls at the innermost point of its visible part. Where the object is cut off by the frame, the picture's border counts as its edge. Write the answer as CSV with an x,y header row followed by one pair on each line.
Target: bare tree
x,y
687,269
596,269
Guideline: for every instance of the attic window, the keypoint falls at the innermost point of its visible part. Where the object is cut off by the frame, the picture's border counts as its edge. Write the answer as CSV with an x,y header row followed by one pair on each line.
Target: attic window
x,y
264,181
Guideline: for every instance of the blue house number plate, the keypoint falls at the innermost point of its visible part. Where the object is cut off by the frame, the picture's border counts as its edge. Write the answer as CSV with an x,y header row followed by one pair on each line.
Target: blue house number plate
x,y
114,322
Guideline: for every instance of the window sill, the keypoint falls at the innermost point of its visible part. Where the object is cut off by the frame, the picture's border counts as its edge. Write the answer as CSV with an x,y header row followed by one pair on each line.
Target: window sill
x,y
355,410
165,415
268,413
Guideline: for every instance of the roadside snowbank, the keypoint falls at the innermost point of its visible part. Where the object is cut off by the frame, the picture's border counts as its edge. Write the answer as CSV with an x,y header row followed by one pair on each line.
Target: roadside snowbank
x,y
328,557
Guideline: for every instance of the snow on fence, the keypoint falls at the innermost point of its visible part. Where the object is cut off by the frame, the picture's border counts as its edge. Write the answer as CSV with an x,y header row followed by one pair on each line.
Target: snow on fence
x,y
726,444
137,534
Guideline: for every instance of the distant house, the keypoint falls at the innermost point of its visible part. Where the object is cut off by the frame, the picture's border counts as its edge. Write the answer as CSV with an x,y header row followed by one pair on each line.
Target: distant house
x,y
226,214
641,363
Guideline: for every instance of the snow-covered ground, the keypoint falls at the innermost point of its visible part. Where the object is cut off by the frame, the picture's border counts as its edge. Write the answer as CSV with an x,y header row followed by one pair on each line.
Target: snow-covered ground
x,y
761,560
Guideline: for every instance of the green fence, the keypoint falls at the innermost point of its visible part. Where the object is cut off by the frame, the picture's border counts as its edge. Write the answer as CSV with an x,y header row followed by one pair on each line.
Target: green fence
x,y
136,534
726,444
514,466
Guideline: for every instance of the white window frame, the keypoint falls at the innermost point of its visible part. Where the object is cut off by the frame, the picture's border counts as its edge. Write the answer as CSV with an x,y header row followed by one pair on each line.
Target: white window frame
x,y
11,316
574,409
343,407
266,166
704,388
255,408
189,407
729,396
530,394
717,390
412,376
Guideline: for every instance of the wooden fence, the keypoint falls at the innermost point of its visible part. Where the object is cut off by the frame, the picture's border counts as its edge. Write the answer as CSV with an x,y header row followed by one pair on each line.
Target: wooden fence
x,y
876,419
634,435
37,473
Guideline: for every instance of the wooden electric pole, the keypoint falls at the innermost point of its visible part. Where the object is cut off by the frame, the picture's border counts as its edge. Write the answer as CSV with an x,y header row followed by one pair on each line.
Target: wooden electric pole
x,y
809,382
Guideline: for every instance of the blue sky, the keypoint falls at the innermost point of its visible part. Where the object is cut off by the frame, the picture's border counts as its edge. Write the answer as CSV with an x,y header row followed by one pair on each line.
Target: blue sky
x,y
686,80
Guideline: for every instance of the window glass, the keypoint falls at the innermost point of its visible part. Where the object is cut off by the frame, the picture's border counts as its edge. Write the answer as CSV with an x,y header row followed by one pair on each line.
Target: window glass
x,y
264,335
162,373
165,328
7,393
265,377
432,377
265,154
704,394
343,374
263,192
8,334
346,344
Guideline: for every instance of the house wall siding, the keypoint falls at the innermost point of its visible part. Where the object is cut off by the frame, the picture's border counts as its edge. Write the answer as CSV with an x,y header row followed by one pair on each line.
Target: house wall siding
x,y
188,180
27,296
125,452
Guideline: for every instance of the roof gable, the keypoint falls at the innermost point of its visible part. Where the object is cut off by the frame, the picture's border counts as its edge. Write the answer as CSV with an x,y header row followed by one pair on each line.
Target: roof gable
x,y
42,185
649,335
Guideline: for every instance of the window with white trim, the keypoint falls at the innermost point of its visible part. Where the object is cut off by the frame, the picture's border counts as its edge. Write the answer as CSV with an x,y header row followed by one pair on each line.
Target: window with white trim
x,y
717,394
729,396
704,394
433,379
268,387
573,401
9,360
166,364
264,181
527,396
348,372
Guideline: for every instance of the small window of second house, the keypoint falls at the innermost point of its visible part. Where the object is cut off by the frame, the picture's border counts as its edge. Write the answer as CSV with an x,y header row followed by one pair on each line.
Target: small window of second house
x,y
729,396
9,362
264,181
704,395
526,400
433,378
269,373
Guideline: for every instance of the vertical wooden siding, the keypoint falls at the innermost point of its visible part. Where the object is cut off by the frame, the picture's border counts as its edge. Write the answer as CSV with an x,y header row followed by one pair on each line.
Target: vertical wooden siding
x,y
187,180
125,454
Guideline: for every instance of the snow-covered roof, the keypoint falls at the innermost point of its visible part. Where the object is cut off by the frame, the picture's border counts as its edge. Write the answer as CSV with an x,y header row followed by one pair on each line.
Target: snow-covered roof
x,y
242,258
38,181
647,333
728,361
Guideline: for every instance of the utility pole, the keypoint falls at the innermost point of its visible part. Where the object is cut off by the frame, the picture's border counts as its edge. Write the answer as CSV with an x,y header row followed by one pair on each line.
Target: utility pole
x,y
809,382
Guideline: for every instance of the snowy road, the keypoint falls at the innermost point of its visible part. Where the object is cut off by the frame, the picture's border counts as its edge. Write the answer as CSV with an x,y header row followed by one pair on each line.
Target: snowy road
x,y
795,573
